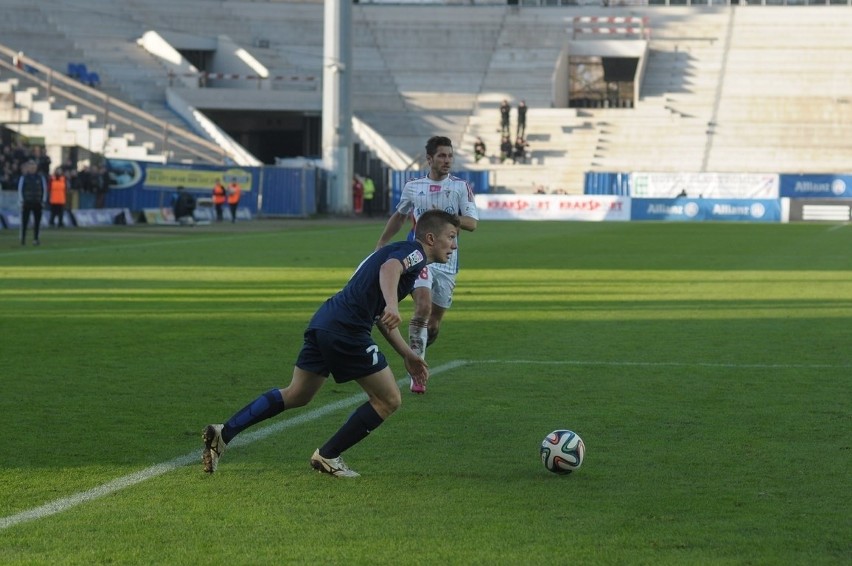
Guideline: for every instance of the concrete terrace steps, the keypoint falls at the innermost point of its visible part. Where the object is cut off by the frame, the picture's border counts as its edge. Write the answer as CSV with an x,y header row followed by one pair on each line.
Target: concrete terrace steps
x,y
412,44
58,124
782,66
550,133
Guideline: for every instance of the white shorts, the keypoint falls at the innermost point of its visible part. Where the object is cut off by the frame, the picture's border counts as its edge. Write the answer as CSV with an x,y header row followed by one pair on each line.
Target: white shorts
x,y
440,282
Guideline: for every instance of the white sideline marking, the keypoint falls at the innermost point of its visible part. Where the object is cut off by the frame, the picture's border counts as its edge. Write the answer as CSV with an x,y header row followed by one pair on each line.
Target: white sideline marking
x,y
63,504
659,364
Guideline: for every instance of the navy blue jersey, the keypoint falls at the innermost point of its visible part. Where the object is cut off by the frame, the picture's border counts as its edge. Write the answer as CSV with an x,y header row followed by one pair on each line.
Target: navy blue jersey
x,y
356,307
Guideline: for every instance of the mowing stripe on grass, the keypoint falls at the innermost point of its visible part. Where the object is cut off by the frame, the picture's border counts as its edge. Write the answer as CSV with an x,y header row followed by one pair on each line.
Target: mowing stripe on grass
x,y
65,503
46,249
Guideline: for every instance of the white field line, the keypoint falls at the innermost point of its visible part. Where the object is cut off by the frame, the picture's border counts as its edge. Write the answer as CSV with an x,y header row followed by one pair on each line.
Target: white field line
x,y
659,364
63,504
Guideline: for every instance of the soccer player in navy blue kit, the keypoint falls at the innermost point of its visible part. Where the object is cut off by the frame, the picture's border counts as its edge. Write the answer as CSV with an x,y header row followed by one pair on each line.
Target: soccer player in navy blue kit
x,y
339,342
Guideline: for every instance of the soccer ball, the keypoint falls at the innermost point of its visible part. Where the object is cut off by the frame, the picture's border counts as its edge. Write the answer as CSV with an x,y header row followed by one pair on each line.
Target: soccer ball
x,y
562,451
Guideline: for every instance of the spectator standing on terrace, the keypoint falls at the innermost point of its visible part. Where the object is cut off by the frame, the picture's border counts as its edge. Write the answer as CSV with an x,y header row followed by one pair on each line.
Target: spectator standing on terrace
x,y
12,158
7,176
8,168
520,153
69,169
21,153
504,117
42,161
433,291
505,149
478,150
522,119
100,184
83,182
32,194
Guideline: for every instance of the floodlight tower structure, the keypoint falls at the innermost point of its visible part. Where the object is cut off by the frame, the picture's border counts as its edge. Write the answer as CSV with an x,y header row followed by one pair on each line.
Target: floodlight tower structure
x,y
337,104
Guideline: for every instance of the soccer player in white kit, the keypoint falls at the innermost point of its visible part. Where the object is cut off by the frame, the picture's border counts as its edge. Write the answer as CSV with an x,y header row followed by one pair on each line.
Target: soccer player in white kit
x,y
433,291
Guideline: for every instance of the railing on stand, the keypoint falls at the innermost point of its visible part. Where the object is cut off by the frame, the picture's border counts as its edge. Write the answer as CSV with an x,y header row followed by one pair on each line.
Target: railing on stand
x,y
111,113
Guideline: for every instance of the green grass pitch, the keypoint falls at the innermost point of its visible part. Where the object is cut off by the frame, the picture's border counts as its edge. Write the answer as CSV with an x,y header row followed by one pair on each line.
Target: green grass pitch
x,y
707,367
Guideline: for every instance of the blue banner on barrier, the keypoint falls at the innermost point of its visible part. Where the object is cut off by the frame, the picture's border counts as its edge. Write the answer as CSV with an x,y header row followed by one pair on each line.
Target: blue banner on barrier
x,y
598,183
690,210
816,186
139,185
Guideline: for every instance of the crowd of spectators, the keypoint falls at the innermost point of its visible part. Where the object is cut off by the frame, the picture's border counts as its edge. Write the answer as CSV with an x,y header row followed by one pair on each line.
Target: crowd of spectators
x,y
12,157
88,185
519,151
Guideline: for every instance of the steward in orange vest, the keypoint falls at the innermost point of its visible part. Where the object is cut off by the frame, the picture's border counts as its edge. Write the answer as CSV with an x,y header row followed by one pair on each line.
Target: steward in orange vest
x,y
219,194
234,192
57,196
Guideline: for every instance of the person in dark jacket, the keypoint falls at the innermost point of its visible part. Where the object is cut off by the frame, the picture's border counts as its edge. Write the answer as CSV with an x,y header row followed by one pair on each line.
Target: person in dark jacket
x,y
504,117
184,206
32,195
522,119
506,149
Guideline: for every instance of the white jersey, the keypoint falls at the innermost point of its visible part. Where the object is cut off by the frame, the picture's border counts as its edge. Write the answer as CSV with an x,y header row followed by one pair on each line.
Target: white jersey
x,y
452,194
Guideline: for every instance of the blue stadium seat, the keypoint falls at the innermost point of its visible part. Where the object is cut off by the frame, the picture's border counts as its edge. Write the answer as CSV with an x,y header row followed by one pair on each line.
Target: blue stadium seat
x,y
74,70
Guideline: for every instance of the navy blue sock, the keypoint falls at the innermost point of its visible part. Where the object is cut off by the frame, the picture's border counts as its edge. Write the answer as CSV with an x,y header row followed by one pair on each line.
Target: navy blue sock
x,y
267,405
364,420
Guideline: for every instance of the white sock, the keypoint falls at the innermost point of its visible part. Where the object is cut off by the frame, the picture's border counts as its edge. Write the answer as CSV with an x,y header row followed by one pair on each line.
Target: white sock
x,y
418,334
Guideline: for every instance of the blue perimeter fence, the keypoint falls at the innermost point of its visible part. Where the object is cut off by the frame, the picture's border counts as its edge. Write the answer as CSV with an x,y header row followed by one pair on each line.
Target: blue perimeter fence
x,y
300,192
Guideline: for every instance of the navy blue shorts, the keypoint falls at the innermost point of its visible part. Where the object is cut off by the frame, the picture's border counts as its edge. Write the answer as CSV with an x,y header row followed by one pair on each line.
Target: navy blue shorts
x,y
346,358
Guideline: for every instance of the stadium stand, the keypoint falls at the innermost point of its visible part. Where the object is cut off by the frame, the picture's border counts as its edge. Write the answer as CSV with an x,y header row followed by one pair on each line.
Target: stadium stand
x,y
723,88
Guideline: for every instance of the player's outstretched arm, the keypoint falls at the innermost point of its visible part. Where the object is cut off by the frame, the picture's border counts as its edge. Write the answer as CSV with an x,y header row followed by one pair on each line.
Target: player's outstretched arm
x,y
467,223
393,225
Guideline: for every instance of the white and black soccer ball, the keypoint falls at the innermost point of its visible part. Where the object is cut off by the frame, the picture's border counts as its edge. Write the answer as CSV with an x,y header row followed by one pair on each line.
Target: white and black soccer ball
x,y
562,451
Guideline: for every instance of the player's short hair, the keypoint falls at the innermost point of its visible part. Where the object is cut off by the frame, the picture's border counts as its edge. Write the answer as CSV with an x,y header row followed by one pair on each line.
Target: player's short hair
x,y
434,142
434,221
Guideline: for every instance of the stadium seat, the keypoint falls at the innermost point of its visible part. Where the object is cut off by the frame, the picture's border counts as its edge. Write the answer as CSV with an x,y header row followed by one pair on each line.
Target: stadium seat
x,y
76,70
